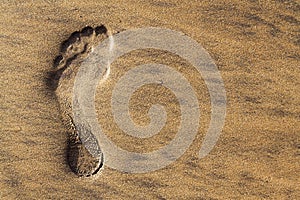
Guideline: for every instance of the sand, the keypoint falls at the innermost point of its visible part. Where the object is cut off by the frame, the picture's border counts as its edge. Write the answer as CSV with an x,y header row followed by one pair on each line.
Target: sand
x,y
256,48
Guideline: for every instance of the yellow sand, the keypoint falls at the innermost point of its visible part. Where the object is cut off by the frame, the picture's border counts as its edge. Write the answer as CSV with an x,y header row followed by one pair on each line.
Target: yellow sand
x,y
256,47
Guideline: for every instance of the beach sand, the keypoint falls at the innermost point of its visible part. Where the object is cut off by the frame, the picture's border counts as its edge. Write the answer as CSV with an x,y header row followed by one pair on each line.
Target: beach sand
x,y
256,47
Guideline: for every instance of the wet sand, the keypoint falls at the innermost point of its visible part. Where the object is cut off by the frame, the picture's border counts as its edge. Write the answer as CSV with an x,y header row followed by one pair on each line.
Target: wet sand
x,y
256,47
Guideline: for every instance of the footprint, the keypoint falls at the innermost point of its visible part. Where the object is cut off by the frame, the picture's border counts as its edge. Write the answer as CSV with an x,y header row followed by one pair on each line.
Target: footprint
x,y
84,154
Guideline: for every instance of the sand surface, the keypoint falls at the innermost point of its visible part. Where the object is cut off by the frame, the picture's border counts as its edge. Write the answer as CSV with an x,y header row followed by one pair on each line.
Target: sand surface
x,y
255,45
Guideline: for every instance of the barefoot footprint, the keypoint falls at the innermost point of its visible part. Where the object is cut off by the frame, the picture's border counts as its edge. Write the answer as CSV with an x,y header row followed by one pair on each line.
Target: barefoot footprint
x,y
84,157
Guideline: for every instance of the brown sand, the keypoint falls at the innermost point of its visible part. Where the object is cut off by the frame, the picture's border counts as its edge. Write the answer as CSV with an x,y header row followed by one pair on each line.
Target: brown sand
x,y
256,46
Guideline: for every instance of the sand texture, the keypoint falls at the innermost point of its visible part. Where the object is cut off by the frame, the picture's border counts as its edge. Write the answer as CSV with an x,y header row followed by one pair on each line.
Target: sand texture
x,y
256,46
